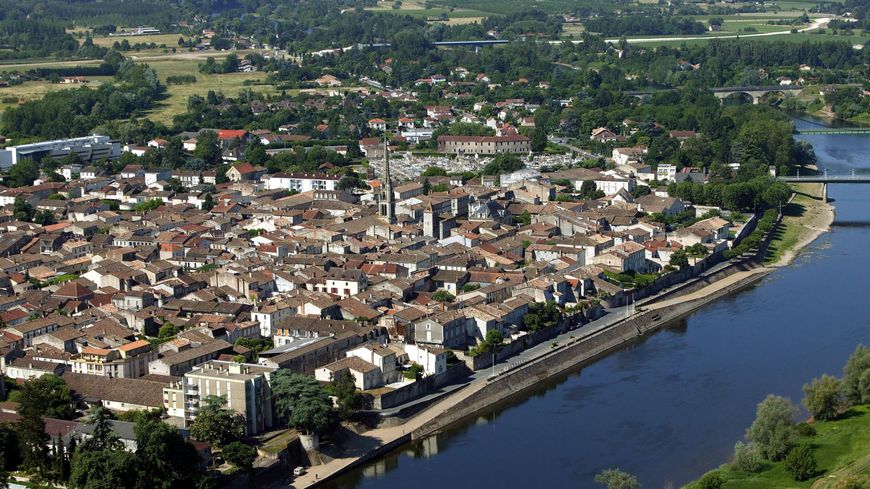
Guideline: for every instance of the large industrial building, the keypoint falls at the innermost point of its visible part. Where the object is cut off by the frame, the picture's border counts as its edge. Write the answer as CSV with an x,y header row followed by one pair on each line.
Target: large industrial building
x,y
89,148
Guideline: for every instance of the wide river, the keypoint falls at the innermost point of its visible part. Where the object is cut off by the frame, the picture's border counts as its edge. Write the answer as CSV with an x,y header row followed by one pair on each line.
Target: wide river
x,y
670,407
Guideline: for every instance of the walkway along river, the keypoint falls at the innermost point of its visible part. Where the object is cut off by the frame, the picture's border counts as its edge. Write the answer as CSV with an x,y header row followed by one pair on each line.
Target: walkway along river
x,y
671,406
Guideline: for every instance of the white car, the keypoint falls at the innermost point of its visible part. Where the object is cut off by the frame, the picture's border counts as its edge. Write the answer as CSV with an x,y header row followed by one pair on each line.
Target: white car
x,y
298,471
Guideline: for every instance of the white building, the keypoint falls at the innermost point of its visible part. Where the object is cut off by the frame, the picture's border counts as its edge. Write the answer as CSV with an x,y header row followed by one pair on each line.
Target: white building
x,y
89,148
302,182
666,172
433,360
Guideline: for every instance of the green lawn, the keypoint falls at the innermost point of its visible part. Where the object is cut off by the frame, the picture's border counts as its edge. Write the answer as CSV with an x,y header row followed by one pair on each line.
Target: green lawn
x,y
842,448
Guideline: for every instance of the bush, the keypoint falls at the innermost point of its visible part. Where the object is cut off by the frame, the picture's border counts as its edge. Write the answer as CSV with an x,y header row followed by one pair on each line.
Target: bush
x,y
805,429
801,463
824,397
747,458
773,430
711,480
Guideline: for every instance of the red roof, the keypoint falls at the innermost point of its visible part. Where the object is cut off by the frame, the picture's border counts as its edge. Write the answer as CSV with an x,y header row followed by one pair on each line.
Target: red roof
x,y
232,133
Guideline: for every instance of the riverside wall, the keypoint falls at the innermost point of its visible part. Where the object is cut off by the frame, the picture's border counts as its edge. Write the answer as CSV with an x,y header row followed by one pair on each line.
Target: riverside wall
x,y
579,351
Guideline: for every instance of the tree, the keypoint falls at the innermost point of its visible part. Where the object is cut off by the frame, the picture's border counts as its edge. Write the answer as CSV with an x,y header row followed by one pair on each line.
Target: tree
x,y
175,185
240,455
539,140
104,469
208,148
10,455
23,173
216,424
748,458
22,210
679,259
442,296
102,437
524,219
773,430
589,190
434,171
824,397
856,375
776,194
494,338
46,396
301,402
168,330
33,443
617,479
44,218
208,202
164,459
148,205
348,399
801,463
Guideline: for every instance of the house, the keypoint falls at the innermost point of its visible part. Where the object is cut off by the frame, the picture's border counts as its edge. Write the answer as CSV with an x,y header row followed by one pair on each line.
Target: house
x,y
328,81
377,124
448,329
624,156
345,283
628,256
433,360
245,172
366,375
652,204
604,135
382,357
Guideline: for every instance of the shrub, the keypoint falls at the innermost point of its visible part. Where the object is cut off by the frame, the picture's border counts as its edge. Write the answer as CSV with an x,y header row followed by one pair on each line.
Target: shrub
x,y
805,429
747,458
711,480
801,463
824,397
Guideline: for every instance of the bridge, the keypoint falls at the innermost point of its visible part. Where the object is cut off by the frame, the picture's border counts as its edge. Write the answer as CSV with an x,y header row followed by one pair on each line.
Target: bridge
x,y
857,176
755,92
835,130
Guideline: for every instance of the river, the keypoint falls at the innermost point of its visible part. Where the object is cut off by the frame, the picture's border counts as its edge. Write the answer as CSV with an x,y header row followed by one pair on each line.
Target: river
x,y
671,406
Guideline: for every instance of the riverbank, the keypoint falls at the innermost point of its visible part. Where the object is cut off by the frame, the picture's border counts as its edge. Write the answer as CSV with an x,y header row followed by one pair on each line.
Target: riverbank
x,y
810,218
570,350
841,448
805,218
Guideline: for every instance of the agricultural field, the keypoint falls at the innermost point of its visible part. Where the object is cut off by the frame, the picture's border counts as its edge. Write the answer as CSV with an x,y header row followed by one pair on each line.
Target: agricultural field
x,y
229,84
37,89
419,10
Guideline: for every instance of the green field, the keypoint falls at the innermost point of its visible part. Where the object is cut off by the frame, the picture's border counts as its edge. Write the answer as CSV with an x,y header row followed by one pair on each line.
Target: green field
x,y
842,449
37,89
229,84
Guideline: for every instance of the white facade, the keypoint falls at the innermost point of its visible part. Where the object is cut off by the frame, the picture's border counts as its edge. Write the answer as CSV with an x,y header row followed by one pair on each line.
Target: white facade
x,y
433,360
90,148
301,182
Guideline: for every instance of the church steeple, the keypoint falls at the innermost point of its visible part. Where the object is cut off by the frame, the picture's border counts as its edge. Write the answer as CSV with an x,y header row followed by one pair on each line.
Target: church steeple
x,y
388,207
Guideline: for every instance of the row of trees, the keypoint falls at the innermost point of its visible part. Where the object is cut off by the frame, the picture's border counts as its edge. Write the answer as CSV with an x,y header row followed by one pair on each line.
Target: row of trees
x,y
776,436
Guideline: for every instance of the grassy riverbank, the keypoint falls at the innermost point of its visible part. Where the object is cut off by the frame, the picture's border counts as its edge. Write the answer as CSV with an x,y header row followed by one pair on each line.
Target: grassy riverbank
x,y
842,449
804,219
